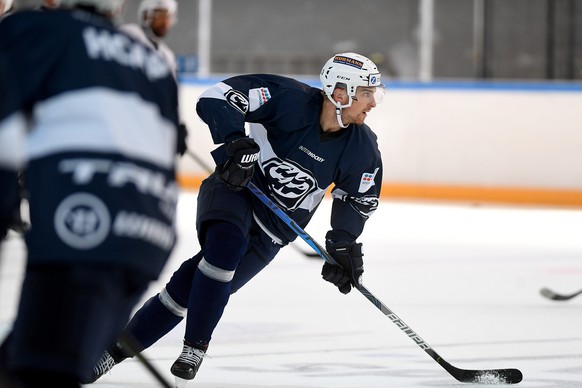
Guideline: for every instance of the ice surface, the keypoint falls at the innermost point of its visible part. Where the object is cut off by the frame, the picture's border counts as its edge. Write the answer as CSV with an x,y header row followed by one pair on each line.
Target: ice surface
x,y
465,278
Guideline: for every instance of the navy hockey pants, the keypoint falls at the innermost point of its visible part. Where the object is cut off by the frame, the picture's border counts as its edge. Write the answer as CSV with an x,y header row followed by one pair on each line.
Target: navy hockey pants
x,y
216,204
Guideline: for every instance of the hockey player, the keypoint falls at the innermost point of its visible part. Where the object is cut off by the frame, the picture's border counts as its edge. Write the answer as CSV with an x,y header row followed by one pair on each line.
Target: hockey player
x,y
91,115
301,141
156,18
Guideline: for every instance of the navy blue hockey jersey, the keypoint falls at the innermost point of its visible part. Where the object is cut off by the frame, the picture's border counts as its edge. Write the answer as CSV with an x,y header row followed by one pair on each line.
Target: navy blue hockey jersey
x,y
298,161
92,116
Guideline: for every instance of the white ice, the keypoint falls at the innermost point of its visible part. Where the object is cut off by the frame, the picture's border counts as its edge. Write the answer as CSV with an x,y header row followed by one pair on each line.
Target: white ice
x,y
465,278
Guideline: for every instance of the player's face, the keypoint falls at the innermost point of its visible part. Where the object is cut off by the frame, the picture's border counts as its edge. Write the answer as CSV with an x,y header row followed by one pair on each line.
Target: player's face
x,y
51,3
366,98
162,21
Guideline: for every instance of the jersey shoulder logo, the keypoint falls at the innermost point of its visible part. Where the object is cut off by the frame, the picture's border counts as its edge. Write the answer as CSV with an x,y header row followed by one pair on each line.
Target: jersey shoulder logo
x,y
237,100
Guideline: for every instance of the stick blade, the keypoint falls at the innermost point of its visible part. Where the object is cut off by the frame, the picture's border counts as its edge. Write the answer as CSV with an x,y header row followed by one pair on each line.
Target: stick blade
x,y
552,295
492,376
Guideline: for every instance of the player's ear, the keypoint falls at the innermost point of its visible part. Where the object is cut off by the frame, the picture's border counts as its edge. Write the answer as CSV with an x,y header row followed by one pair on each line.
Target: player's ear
x,y
339,94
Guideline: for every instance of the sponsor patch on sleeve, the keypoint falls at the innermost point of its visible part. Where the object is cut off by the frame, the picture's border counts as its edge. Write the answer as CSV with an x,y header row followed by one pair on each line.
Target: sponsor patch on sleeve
x,y
263,95
367,181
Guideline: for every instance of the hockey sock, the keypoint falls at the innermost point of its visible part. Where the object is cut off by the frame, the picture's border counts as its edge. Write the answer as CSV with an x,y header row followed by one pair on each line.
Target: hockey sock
x,y
151,322
224,247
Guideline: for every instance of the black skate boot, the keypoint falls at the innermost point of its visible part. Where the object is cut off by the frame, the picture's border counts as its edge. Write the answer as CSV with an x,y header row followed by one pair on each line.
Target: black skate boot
x,y
187,364
111,357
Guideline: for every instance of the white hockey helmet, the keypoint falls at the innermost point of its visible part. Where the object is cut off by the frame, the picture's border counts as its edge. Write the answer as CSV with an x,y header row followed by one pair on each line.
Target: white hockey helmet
x,y
349,70
111,7
149,6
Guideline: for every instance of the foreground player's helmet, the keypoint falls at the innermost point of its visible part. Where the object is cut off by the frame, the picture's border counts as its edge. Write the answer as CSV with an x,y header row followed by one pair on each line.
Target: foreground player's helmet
x,y
149,6
106,7
351,70
7,5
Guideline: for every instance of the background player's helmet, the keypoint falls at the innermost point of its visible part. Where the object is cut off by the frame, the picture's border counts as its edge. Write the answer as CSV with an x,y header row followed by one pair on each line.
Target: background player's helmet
x,y
107,7
149,6
351,70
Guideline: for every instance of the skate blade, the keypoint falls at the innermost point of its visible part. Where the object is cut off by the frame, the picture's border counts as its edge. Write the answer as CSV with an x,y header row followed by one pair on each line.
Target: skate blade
x,y
180,383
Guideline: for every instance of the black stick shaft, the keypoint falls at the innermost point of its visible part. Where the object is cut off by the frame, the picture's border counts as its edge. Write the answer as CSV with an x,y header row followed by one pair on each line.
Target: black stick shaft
x,y
130,344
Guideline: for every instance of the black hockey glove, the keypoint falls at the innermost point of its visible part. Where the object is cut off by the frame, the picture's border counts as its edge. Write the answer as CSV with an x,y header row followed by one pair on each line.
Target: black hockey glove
x,y
349,256
182,139
238,169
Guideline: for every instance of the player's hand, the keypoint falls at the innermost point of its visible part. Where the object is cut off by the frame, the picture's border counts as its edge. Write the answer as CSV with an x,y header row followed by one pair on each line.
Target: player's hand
x,y
350,268
239,168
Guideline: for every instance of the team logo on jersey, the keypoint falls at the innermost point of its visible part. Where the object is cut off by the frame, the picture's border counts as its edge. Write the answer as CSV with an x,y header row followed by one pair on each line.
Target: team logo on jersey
x,y
367,181
237,100
82,221
289,182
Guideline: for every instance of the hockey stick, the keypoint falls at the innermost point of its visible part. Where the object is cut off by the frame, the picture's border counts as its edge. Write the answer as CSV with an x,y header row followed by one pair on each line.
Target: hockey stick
x,y
484,376
209,170
199,160
555,296
129,343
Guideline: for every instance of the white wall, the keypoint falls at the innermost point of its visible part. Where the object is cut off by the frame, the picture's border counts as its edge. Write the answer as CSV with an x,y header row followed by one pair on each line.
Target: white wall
x,y
483,137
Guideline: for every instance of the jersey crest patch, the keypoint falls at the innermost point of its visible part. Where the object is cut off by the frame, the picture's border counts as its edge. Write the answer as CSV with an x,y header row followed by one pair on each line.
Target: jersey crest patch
x,y
237,100
290,182
367,181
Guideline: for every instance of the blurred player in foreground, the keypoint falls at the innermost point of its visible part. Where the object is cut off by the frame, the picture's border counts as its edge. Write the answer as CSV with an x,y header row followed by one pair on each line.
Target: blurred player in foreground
x,y
96,131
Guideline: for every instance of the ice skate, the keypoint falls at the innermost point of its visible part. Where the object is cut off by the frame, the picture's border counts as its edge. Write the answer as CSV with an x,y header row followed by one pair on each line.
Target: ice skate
x,y
104,365
111,357
187,364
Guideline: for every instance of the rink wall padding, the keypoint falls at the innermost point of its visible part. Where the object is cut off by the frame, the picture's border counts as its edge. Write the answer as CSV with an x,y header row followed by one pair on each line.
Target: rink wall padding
x,y
507,143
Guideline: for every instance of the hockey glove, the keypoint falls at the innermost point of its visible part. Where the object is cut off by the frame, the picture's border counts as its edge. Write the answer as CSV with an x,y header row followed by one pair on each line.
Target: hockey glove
x,y
238,169
182,139
349,256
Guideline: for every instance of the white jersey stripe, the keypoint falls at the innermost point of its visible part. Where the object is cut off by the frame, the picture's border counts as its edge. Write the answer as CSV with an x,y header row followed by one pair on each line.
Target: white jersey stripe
x,y
107,121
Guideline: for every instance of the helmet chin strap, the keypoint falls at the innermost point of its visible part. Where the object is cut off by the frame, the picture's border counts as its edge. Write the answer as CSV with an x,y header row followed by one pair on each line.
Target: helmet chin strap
x,y
338,113
338,109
